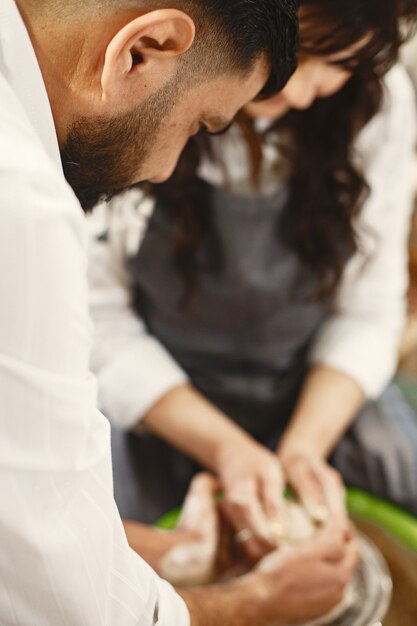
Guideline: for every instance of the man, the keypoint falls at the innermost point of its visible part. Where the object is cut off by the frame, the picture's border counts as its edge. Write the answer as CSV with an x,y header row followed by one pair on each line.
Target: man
x,y
118,86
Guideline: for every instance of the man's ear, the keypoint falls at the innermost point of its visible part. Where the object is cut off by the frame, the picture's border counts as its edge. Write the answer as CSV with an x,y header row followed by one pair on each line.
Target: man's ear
x,y
149,45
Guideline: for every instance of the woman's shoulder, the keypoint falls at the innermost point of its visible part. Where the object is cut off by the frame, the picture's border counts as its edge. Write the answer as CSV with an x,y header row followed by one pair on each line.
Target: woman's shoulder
x,y
398,84
396,119
399,99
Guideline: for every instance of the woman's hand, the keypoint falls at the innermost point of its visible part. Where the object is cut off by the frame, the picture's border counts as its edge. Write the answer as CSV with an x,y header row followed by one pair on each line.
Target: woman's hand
x,y
253,486
319,487
326,407
250,475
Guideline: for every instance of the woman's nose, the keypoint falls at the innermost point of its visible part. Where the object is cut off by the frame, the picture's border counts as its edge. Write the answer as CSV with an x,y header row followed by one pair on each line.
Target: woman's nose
x,y
302,89
300,95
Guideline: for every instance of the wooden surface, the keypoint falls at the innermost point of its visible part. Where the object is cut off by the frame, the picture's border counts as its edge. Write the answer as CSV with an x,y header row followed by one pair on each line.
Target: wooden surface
x,y
403,567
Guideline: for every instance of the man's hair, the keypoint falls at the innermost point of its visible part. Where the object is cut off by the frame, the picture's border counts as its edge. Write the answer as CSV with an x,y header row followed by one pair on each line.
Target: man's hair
x,y
230,34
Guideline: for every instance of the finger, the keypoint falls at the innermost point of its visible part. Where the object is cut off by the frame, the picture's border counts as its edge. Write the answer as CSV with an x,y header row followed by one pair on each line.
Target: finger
x,y
246,544
199,496
253,548
350,562
188,563
199,510
193,560
330,545
335,498
245,508
306,483
334,489
204,482
231,561
339,525
271,491
243,512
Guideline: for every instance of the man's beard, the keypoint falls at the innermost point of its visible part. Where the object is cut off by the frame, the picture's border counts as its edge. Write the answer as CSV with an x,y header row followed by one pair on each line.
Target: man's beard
x,y
102,156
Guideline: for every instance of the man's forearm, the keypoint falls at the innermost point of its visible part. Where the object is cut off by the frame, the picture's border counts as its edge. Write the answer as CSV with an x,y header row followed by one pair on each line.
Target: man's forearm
x,y
328,403
231,604
151,543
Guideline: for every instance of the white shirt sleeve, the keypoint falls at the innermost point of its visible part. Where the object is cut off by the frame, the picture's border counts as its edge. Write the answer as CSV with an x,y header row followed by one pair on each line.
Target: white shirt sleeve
x,y
361,337
64,558
133,368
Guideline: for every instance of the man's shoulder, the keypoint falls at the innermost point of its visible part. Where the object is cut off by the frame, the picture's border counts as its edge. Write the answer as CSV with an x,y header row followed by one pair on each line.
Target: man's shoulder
x,y
27,174
20,146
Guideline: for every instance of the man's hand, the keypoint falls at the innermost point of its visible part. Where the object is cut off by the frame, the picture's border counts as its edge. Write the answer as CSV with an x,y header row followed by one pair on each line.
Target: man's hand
x,y
307,581
200,549
192,560
189,553
289,585
319,487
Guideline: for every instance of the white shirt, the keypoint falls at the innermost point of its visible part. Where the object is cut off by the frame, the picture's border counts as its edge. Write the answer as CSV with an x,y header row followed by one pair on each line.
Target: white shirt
x,y
64,558
361,336
409,57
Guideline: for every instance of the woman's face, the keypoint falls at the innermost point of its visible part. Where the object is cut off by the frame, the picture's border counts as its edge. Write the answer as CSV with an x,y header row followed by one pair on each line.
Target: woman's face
x,y
315,77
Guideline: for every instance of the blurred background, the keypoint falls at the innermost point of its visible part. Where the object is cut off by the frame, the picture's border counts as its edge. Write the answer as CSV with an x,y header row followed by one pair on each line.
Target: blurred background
x,y
408,352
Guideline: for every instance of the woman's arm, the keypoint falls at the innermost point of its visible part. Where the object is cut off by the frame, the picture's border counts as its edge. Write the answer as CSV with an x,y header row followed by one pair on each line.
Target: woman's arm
x,y
355,352
141,384
133,369
328,403
250,474
362,335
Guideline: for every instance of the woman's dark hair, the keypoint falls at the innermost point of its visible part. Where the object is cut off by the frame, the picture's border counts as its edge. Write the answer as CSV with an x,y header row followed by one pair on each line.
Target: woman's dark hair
x,y
327,189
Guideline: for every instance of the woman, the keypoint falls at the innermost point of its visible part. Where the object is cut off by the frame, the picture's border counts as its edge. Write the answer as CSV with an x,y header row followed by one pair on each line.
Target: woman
x,y
269,288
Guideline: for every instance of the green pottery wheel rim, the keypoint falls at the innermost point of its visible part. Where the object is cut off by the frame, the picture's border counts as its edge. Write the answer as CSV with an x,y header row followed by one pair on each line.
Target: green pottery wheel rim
x,y
398,523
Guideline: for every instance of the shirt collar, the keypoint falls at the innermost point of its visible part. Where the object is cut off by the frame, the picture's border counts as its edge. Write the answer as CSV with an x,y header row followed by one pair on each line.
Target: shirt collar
x,y
19,65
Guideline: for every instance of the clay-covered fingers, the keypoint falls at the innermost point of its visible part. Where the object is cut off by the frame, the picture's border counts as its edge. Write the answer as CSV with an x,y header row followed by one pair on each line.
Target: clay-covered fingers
x,y
254,503
301,475
193,561
271,486
334,492
335,497
320,489
244,512
199,514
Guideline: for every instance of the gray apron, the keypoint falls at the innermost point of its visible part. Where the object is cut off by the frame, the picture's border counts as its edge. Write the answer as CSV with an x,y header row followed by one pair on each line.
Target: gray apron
x,y
243,341
244,345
